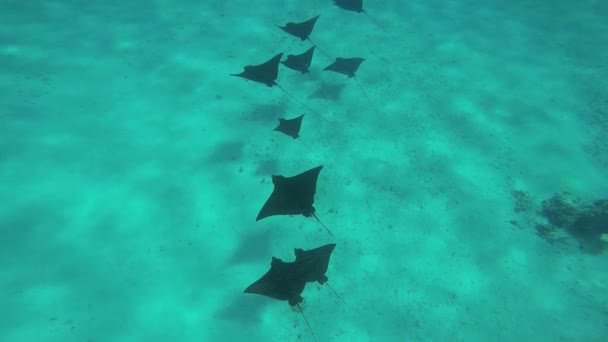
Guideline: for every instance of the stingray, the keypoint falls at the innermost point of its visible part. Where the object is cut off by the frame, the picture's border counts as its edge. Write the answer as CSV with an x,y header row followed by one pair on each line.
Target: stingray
x,y
348,67
354,6
290,127
267,74
313,264
284,281
281,282
293,196
350,5
302,30
345,66
300,62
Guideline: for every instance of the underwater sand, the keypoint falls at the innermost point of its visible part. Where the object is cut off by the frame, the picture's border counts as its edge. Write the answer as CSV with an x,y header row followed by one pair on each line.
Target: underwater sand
x,y
132,168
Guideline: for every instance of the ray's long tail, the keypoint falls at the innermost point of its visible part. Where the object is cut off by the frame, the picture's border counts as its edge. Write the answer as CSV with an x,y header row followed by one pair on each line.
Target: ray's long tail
x,y
327,229
300,102
307,324
336,293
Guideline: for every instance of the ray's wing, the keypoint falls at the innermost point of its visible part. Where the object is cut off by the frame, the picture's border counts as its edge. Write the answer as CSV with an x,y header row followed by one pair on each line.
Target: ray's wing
x,y
309,25
264,286
281,282
354,64
283,126
335,66
292,195
313,263
350,5
305,186
280,202
266,72
270,284
297,125
271,67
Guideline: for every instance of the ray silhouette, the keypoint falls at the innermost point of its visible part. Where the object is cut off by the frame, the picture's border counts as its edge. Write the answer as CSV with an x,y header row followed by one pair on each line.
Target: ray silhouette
x,y
313,264
350,5
345,66
354,6
300,62
293,196
265,73
302,30
349,67
284,281
290,127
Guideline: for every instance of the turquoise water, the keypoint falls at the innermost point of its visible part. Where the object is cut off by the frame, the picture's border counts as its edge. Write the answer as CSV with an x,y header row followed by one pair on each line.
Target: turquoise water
x,y
132,168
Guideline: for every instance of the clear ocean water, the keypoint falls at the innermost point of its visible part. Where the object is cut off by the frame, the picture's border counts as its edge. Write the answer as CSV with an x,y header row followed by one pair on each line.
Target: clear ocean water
x,y
465,170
